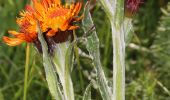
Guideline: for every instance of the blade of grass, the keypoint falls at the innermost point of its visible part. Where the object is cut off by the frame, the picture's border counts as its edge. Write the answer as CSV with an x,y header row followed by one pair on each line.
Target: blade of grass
x,y
18,83
163,87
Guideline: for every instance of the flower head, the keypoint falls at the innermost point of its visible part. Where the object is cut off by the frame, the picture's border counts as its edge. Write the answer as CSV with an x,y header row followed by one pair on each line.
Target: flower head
x,y
131,7
56,22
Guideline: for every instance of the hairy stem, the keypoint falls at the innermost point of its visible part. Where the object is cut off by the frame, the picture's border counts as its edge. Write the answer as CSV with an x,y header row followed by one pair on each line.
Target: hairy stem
x,y
115,11
118,63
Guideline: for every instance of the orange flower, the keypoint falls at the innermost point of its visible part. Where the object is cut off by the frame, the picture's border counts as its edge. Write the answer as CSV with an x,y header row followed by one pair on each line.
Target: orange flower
x,y
56,21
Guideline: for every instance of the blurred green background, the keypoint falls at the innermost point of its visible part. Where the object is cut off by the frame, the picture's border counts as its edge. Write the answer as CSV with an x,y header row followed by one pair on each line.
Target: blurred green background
x,y
147,56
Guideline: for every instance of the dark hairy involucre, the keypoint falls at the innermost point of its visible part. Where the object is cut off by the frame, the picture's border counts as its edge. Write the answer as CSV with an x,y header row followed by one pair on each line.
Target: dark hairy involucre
x,y
132,6
59,37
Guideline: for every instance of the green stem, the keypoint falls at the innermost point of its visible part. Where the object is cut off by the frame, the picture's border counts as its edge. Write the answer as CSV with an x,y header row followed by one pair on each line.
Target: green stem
x,y
115,11
118,40
26,71
118,63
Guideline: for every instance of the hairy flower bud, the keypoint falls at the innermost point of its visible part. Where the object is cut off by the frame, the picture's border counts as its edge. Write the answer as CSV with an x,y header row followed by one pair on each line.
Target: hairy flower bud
x,y
131,7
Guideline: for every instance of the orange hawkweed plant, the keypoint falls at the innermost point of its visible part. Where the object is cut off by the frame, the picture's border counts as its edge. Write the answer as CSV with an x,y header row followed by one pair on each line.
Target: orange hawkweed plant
x,y
49,25
56,23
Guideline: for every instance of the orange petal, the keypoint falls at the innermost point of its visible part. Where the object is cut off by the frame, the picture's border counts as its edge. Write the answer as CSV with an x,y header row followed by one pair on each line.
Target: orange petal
x,y
64,27
38,6
73,27
79,18
13,33
51,33
44,3
12,41
48,2
57,1
77,8
59,12
29,8
26,37
66,24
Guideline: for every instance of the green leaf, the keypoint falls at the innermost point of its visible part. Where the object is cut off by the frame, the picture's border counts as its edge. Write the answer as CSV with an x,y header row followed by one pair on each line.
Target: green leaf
x,y
108,6
93,48
49,69
68,66
63,61
128,28
87,93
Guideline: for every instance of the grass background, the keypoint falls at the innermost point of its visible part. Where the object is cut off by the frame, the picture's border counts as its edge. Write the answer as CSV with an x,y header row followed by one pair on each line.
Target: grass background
x,y
147,56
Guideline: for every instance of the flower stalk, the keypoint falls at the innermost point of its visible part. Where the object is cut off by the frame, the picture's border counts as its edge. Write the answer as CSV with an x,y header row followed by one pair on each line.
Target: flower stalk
x,y
26,71
118,63
115,11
